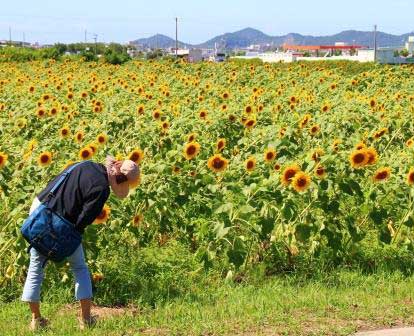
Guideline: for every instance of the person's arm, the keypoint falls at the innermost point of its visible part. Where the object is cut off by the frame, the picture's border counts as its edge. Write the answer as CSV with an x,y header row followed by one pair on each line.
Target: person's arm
x,y
92,207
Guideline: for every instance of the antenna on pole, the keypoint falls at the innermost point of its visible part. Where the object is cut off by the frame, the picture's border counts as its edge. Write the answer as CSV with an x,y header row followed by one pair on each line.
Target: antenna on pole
x,y
375,43
176,37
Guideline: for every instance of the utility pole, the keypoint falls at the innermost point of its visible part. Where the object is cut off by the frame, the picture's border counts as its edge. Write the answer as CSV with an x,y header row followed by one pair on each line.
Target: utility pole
x,y
176,37
10,40
95,37
375,43
24,39
85,35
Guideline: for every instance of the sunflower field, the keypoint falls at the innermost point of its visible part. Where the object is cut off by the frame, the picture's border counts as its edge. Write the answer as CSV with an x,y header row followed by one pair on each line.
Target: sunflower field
x,y
238,160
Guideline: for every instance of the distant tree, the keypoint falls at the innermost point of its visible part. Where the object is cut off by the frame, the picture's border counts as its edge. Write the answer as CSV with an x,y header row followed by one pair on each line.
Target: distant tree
x,y
404,53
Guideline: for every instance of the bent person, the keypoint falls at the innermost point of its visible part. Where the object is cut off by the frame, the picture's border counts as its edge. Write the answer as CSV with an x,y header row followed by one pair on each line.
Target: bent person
x,y
79,200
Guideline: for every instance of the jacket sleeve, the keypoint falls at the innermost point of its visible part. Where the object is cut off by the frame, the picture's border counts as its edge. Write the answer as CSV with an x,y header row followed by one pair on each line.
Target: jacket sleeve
x,y
92,207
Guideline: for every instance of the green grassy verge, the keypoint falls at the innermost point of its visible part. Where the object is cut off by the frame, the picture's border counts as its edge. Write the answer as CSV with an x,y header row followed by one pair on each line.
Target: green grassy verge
x,y
337,304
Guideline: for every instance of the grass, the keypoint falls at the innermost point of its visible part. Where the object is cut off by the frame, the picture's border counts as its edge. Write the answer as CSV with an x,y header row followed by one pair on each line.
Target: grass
x,y
340,303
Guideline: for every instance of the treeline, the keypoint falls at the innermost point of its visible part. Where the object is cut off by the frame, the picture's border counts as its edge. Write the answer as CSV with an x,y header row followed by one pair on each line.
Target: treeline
x,y
113,53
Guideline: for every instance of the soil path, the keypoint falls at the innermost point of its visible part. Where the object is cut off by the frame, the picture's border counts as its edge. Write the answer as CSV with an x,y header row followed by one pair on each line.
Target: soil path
x,y
388,332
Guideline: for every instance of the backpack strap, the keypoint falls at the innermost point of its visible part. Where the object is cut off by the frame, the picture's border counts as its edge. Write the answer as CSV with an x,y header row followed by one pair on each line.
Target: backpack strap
x,y
62,179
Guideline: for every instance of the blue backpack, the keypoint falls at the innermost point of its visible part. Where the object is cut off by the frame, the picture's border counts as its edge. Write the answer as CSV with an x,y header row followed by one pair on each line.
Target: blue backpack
x,y
49,233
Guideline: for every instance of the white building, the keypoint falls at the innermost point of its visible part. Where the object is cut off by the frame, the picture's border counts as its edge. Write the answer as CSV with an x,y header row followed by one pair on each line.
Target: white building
x,y
410,45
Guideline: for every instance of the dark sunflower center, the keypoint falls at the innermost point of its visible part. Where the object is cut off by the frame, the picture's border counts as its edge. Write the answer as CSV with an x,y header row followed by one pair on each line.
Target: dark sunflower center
x,y
191,150
301,182
250,164
218,163
44,158
359,158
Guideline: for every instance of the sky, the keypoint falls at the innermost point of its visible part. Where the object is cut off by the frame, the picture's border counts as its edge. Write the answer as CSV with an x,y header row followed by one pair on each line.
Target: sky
x,y
51,21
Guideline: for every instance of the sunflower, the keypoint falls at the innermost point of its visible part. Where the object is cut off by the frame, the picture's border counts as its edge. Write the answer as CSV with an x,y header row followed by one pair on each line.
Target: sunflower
x,y
382,174
3,159
134,183
250,164
21,123
41,113
103,216
79,136
202,114
277,166
223,107
250,123
304,121
53,111
137,155
320,172
217,163
359,158
410,176
288,173
221,143
409,143
248,109
156,114
97,277
301,181
380,133
325,108
141,109
44,159
372,156
93,147
191,137
101,138
360,145
314,129
269,154
85,153
225,95
137,220
165,126
282,132
64,132
191,150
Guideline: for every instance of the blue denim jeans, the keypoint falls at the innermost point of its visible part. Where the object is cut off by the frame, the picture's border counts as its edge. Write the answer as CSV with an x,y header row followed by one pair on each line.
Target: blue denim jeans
x,y
35,274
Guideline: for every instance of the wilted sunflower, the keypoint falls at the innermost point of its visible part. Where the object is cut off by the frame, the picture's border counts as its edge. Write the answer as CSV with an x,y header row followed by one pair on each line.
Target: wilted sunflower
x,y
250,164
410,176
137,155
382,174
335,145
301,181
217,163
304,121
269,155
380,133
317,154
103,216
221,143
288,173
191,150
101,138
44,159
3,159
135,183
85,153
137,220
64,132
359,158
176,170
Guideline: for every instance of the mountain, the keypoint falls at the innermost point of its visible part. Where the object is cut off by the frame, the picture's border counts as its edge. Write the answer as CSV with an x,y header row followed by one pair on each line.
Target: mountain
x,y
248,36
158,41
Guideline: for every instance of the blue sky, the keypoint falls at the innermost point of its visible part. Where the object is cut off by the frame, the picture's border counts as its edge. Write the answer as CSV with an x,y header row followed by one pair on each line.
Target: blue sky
x,y
48,21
